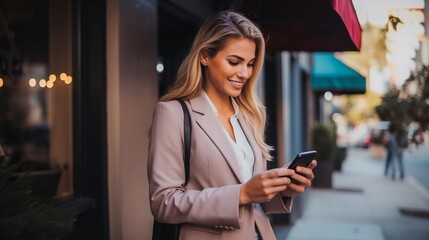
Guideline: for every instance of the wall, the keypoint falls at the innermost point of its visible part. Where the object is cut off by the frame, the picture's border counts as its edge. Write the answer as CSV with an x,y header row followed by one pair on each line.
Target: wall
x,y
60,96
295,114
132,94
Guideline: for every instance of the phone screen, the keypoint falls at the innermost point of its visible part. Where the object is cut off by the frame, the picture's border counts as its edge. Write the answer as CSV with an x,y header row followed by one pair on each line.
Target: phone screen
x,y
303,159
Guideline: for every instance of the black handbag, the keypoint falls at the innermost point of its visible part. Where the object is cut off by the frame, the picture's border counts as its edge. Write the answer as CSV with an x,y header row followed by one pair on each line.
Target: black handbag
x,y
166,231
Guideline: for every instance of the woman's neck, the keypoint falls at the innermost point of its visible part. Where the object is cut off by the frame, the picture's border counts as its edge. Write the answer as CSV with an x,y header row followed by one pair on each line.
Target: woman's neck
x,y
223,103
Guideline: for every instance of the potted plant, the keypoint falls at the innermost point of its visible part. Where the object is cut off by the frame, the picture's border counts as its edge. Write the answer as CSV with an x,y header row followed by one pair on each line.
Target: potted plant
x,y
323,143
340,147
23,214
339,157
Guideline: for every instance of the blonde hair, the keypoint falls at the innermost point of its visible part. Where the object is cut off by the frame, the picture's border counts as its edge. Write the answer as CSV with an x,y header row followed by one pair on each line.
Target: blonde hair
x,y
210,39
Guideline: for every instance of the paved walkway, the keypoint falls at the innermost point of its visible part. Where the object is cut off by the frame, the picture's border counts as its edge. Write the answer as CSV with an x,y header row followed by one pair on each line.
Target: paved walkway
x,y
364,205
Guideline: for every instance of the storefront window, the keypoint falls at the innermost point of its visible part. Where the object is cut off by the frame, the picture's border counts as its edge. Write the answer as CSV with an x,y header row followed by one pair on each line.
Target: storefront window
x,y
36,92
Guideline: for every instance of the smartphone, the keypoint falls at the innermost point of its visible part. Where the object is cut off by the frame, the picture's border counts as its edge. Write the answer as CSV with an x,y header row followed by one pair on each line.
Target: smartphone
x,y
303,159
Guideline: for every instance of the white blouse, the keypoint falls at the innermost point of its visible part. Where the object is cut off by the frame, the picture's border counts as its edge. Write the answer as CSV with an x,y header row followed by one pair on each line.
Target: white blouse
x,y
241,146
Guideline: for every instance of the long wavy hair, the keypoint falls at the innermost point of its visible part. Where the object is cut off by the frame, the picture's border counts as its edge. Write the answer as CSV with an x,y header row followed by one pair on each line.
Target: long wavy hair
x,y
210,39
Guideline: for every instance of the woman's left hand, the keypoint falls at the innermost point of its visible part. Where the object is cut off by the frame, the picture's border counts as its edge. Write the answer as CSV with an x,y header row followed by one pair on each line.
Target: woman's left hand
x,y
300,180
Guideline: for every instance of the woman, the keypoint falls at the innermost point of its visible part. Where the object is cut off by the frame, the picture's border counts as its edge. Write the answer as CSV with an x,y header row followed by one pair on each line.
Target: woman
x,y
230,191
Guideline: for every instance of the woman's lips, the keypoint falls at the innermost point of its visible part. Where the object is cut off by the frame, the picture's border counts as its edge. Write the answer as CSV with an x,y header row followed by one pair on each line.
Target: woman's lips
x,y
236,84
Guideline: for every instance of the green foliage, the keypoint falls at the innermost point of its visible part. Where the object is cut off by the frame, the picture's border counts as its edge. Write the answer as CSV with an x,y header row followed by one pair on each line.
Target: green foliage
x,y
25,216
418,103
419,112
401,107
394,109
323,142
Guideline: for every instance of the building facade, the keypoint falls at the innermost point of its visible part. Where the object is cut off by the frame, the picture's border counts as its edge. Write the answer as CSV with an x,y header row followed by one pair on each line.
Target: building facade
x,y
97,118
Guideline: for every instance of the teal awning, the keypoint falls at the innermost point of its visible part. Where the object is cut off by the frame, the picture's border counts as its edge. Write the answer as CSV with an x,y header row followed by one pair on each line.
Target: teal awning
x,y
330,74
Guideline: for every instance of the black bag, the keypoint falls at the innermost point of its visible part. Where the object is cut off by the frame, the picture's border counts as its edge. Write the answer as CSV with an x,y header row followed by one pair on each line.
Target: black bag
x,y
166,231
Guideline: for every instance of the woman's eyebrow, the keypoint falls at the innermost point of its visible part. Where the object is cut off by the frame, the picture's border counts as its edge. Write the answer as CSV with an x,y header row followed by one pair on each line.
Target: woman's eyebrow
x,y
240,58
236,56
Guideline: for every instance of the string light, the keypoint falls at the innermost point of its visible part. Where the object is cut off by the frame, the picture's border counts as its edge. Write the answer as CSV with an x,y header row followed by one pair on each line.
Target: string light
x,y
52,78
1,82
32,82
42,83
68,80
49,84
63,76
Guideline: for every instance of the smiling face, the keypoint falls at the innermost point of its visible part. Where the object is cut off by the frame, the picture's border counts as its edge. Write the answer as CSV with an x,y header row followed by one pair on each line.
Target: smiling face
x,y
227,72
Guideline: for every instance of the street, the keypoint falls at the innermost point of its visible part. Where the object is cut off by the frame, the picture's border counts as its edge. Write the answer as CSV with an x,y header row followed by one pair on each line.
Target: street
x,y
416,164
363,204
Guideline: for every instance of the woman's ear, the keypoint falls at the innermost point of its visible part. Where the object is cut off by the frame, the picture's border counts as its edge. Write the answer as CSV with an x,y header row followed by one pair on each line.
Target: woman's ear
x,y
203,59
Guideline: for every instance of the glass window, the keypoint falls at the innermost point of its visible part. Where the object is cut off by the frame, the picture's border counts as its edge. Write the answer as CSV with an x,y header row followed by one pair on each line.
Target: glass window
x,y
36,91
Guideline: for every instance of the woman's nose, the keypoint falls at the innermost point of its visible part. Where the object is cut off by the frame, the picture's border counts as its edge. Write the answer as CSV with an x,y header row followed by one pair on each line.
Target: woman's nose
x,y
243,73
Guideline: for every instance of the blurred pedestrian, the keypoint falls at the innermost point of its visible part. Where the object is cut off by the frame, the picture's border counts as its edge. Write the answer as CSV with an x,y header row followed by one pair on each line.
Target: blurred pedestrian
x,y
396,144
387,139
230,190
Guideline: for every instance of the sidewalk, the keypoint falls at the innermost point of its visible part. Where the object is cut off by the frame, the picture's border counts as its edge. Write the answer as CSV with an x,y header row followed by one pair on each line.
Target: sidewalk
x,y
364,205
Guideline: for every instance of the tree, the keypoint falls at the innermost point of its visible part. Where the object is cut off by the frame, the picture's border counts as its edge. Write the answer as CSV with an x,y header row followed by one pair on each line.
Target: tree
x,y
418,101
407,105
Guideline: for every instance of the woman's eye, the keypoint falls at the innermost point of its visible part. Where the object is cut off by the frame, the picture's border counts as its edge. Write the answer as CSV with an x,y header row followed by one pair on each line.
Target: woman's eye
x,y
233,63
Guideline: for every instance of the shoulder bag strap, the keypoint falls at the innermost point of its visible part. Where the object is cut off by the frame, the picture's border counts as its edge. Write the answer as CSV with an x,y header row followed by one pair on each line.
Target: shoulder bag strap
x,y
187,139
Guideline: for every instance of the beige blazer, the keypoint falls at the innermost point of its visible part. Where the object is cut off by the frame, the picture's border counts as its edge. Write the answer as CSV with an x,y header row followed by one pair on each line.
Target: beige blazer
x,y
209,206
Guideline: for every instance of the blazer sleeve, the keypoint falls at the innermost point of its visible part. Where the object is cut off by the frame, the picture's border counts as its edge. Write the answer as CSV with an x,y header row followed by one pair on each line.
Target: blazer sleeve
x,y
278,205
170,202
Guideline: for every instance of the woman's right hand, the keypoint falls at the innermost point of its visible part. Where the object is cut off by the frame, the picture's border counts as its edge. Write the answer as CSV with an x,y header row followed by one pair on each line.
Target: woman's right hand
x,y
264,186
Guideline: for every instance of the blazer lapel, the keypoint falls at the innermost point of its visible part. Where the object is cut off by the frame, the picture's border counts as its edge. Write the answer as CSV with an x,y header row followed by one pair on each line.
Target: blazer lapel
x,y
208,122
258,164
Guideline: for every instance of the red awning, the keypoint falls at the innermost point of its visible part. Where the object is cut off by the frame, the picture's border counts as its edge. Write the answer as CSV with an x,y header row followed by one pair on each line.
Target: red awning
x,y
306,25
